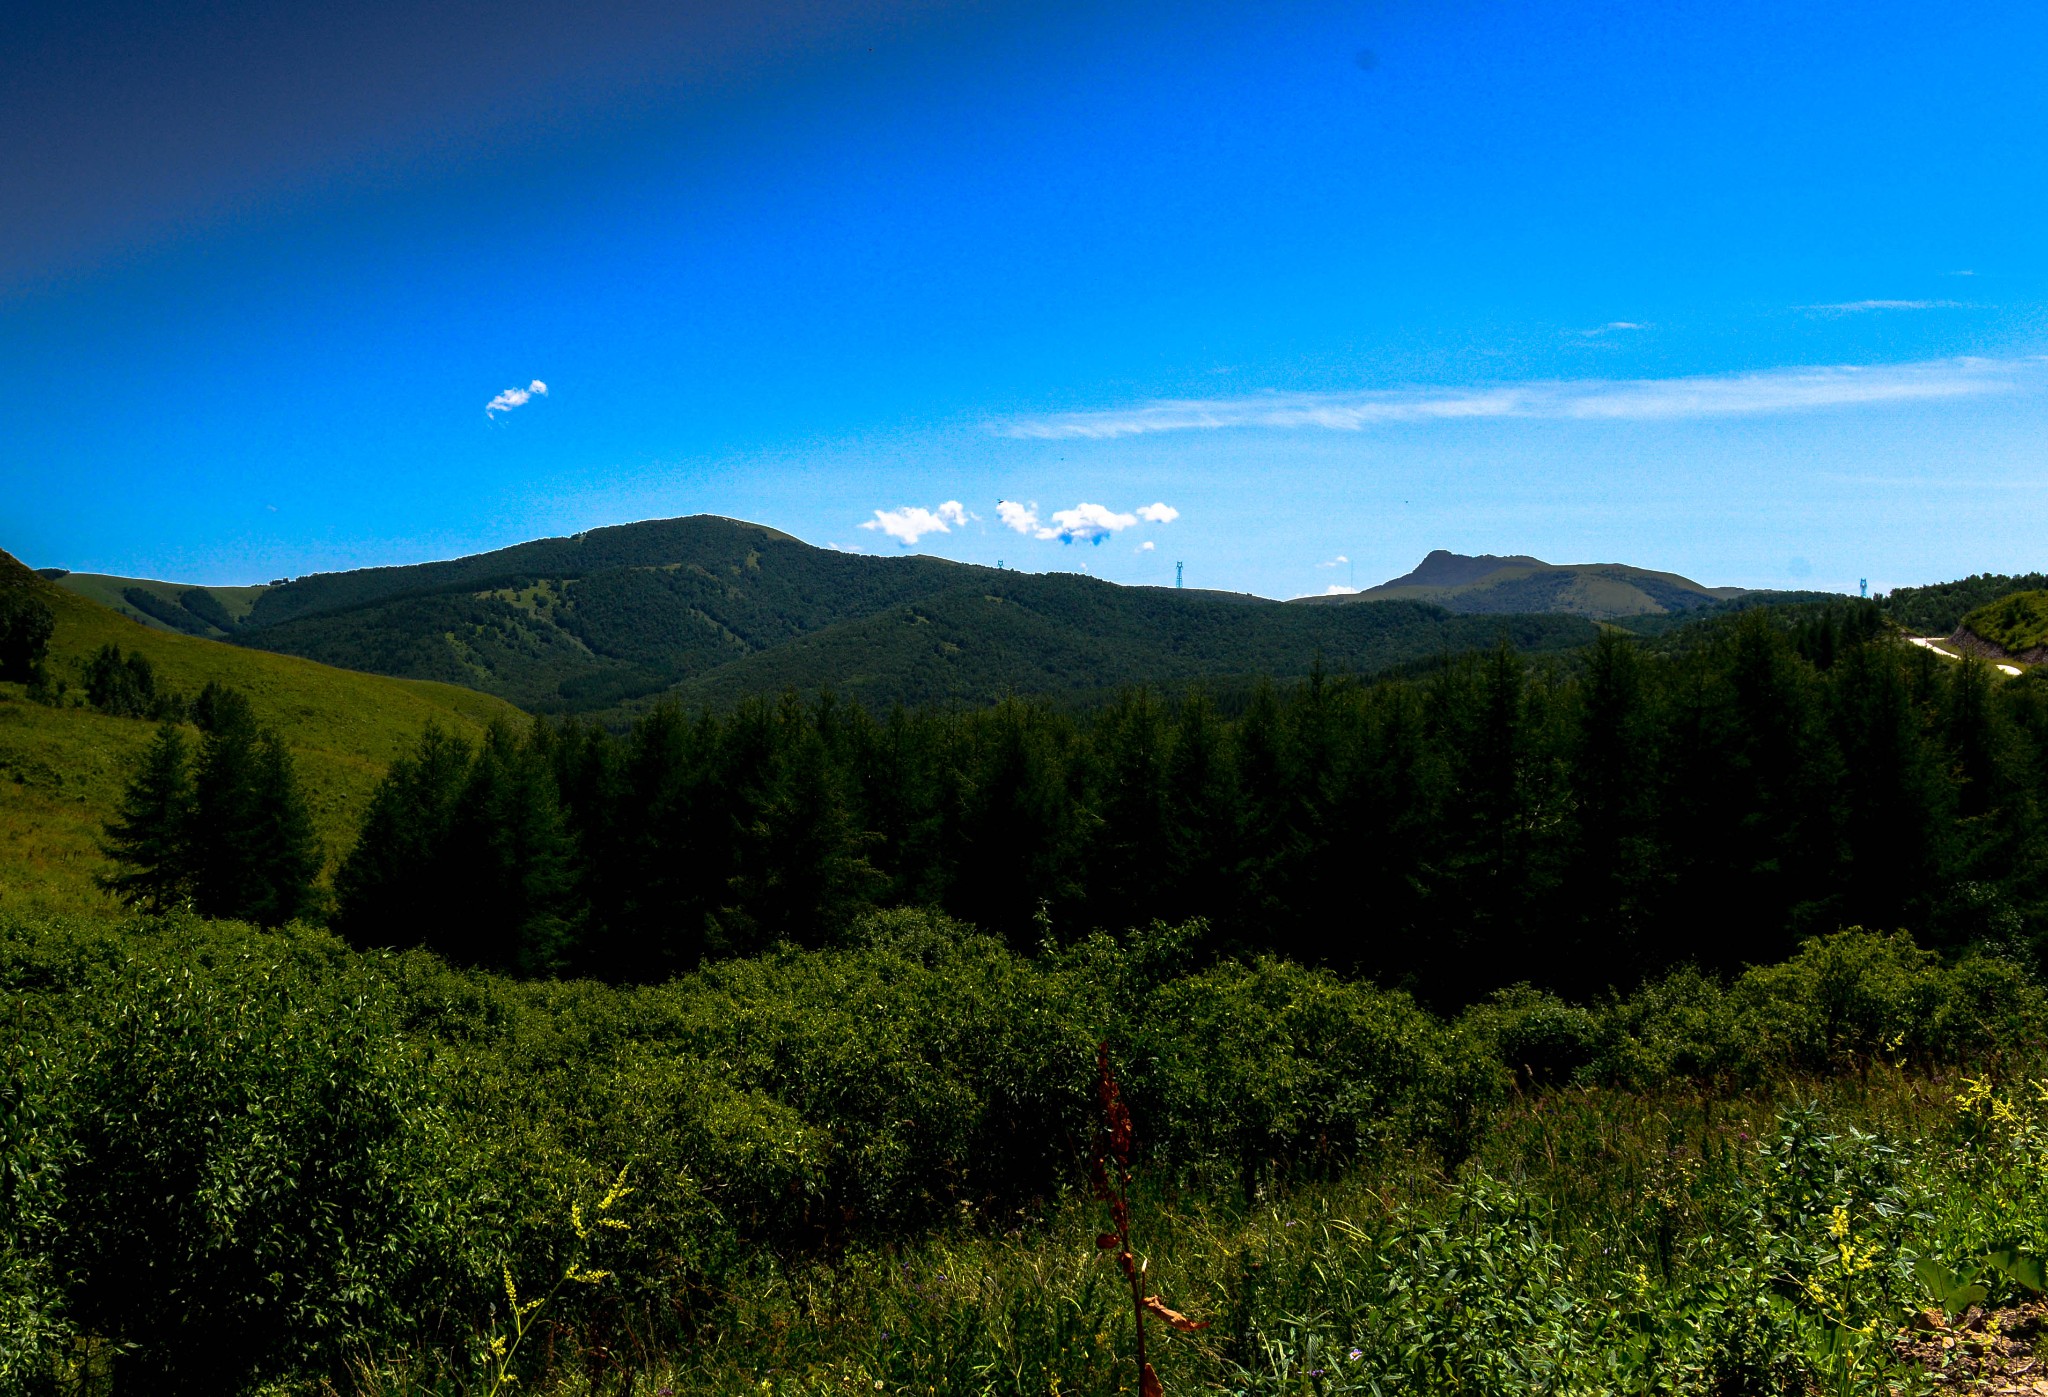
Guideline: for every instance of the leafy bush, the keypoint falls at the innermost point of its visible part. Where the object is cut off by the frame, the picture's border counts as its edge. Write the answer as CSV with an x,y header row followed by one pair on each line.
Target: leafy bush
x,y
256,1178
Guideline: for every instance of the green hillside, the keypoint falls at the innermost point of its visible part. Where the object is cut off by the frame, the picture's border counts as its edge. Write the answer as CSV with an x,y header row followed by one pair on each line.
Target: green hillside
x,y
712,609
62,767
2016,624
1490,585
179,607
581,623
1059,635
1939,608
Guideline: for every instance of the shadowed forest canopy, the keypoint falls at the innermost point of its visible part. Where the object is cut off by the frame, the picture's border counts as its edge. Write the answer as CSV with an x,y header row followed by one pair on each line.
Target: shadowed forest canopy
x,y
1573,824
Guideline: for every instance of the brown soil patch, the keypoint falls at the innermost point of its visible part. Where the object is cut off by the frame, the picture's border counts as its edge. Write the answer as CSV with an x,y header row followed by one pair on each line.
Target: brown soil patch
x,y
2005,1351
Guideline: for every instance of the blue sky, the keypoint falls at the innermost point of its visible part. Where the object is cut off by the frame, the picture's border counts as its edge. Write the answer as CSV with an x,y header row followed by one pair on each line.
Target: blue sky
x,y
1749,292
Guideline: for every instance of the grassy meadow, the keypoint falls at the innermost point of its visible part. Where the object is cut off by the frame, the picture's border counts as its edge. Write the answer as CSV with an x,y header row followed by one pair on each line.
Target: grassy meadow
x,y
62,768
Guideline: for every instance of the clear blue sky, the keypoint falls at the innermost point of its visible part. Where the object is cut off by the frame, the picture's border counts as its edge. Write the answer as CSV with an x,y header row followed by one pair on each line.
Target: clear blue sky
x,y
1751,292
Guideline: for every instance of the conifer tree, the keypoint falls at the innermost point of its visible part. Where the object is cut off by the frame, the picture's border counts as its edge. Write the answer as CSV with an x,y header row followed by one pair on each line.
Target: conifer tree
x,y
151,836
254,857
394,887
26,625
511,862
283,849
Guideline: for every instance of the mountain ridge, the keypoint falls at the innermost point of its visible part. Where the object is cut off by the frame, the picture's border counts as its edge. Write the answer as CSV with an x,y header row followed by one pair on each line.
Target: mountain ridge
x,y
1489,584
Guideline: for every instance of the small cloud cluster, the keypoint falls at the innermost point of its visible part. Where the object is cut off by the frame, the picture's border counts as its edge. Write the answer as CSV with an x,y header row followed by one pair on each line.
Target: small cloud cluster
x,y
1337,562
515,397
1614,327
913,522
1084,523
1338,589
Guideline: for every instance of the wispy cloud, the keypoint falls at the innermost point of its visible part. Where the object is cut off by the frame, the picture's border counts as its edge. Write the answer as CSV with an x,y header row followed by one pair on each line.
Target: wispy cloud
x,y
515,397
1859,307
1614,327
1337,562
912,522
1803,389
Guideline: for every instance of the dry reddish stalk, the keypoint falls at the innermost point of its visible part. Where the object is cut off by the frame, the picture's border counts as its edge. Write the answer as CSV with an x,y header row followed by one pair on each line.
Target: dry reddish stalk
x,y
1113,1186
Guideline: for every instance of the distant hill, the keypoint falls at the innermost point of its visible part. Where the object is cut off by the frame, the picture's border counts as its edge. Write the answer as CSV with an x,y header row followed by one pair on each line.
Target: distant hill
x,y
214,612
1938,609
1490,585
1060,635
62,768
711,609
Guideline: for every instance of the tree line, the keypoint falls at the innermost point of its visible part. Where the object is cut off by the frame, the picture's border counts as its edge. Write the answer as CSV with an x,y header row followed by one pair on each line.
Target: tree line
x,y
1576,825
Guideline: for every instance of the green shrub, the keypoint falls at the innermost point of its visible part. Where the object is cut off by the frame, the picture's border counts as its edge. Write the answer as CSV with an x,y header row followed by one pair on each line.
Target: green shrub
x,y
257,1180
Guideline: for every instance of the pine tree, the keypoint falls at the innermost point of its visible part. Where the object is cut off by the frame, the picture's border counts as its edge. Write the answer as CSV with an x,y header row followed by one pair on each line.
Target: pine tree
x,y
394,888
511,862
1612,862
254,856
283,849
152,835
26,624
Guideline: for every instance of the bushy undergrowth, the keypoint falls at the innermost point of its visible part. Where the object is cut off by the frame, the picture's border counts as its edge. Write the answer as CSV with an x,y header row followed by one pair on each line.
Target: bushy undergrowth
x,y
231,1158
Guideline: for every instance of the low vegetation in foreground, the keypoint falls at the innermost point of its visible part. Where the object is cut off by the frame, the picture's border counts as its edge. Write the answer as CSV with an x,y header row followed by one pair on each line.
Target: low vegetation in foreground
x,y
234,1160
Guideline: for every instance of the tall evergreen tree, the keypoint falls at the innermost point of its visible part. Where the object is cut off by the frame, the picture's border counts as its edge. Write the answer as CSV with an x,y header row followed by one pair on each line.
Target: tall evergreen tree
x,y
254,856
1611,878
394,887
512,859
26,625
152,834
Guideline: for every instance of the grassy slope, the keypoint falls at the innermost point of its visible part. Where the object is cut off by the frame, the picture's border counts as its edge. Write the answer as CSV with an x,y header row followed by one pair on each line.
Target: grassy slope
x,y
62,769
2016,624
110,592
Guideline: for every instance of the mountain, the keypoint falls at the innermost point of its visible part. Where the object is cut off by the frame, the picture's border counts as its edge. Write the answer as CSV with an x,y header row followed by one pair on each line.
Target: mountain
x,y
1490,585
1066,636
63,766
710,609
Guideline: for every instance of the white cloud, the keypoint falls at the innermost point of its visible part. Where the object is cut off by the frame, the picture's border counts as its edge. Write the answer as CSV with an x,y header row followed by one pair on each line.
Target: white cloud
x,y
1337,589
1021,517
515,397
1146,547
913,522
1803,389
1159,513
1337,562
1614,327
1855,307
1086,523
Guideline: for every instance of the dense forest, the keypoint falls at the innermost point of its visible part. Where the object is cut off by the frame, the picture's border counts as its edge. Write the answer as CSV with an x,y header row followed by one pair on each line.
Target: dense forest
x,y
1575,825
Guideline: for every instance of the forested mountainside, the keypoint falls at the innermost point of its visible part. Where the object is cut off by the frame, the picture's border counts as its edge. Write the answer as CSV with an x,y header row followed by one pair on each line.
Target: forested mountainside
x,y
1937,609
1492,585
713,609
